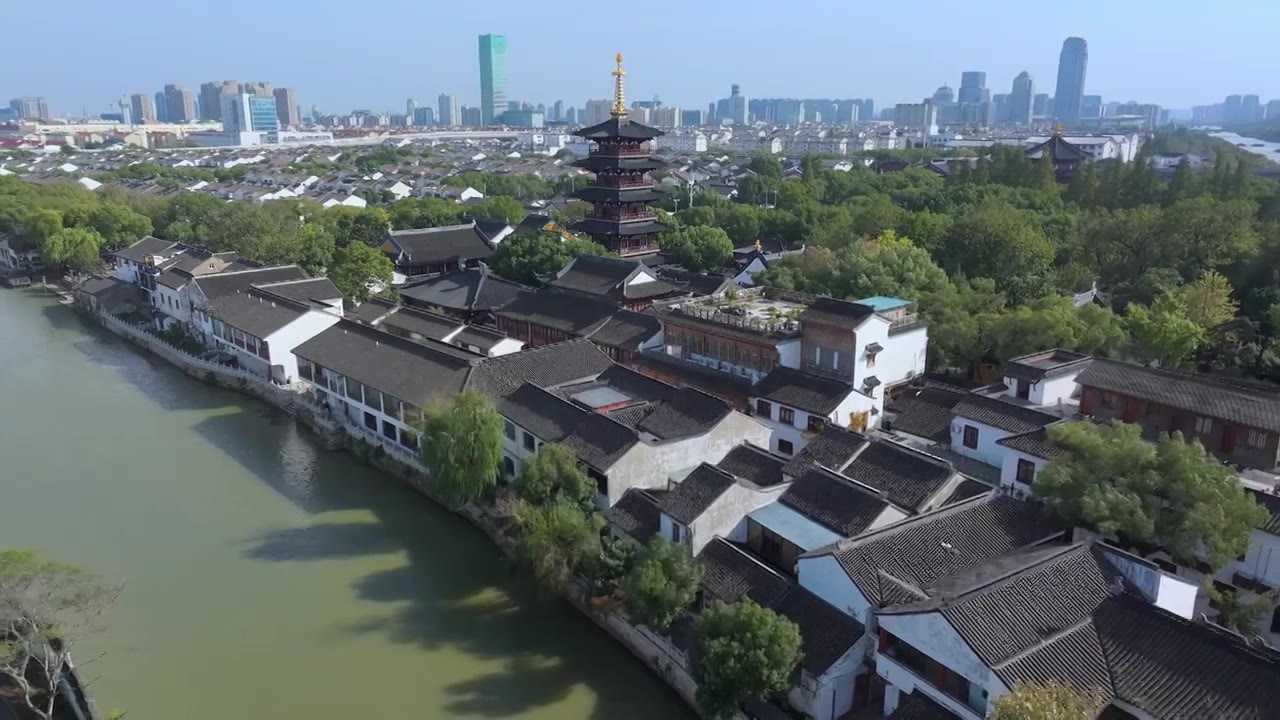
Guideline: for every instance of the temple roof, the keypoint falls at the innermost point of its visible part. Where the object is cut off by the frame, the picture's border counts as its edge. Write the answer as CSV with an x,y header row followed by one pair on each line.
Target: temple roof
x,y
619,127
595,226
601,162
605,194
1059,150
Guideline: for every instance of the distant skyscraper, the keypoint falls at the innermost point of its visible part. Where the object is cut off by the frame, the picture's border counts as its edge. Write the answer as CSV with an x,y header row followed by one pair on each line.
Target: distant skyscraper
x,y
1022,99
732,108
1000,108
447,111
211,97
557,111
596,112
162,108
179,104
30,108
258,88
1040,105
287,107
1069,94
867,110
493,77
423,116
142,109
1090,107
693,118
972,85
1250,108
571,116
944,95
471,116
249,113
409,106
711,113
1231,109
1272,110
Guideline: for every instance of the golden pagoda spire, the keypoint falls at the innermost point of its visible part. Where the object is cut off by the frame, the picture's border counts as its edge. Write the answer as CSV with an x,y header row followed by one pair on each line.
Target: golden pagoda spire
x,y
1057,129
619,96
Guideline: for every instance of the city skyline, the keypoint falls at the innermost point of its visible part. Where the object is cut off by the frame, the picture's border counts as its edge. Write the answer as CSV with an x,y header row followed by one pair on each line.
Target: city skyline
x,y
1131,58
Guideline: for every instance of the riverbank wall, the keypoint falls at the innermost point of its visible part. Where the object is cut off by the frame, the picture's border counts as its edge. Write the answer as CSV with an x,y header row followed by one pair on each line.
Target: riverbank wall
x,y
655,651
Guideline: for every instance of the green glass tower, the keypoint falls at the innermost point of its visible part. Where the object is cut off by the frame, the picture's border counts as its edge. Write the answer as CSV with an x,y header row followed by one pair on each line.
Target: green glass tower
x,y
493,77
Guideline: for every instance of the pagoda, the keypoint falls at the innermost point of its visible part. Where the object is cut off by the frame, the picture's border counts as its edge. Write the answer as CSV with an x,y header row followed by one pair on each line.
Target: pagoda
x,y
620,218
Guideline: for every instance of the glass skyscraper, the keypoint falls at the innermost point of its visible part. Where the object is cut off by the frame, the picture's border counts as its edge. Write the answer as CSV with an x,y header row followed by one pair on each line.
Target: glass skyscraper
x,y
493,77
1069,95
262,114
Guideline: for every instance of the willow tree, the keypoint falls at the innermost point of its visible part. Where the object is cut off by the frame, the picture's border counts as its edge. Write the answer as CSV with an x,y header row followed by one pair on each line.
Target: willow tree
x,y
1051,701
462,446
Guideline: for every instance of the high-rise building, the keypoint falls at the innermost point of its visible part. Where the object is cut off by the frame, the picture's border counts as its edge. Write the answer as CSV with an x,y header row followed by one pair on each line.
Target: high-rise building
x,y
142,109
571,116
621,218
1231,108
973,84
1272,110
447,111
179,104
733,108
557,111
259,89
249,113
1040,105
1090,107
423,116
30,107
667,116
409,106
1022,100
1250,108
693,118
596,112
162,108
1069,94
1000,108
211,97
915,115
847,112
287,111
471,116
867,109
944,95
493,77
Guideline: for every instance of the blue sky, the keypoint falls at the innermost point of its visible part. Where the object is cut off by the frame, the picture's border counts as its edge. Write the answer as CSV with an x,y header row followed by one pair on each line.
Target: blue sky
x,y
340,55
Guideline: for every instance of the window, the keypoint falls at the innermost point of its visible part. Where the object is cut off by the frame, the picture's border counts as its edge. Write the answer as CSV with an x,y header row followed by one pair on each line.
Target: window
x,y
1110,400
530,443
388,430
785,447
817,423
871,360
1204,425
264,352
764,409
1257,438
508,467
355,390
677,530
786,415
305,370
509,430
409,439
971,437
1026,471
370,421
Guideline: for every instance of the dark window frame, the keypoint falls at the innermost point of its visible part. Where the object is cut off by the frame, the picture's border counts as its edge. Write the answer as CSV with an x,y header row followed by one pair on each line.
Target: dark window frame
x,y
970,439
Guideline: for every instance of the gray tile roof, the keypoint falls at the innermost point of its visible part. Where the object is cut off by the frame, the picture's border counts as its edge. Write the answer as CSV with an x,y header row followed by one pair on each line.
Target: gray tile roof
x,y
637,513
1003,415
596,440
370,310
1272,504
693,495
605,277
470,290
567,313
408,322
838,503
546,366
410,371
650,405
228,283
918,706
755,465
308,290
1253,404
442,244
256,313
148,245
907,477
730,574
1035,443
966,489
833,449
801,390
926,411
1047,363
919,550
839,313
627,330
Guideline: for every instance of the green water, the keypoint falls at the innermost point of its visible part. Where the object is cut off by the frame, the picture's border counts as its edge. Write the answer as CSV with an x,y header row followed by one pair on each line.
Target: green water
x,y
262,576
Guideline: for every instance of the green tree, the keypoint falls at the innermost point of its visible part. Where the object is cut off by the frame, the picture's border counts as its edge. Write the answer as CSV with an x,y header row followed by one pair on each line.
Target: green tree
x,y
1182,185
42,224
1164,333
1051,701
525,257
1170,493
189,217
367,226
699,247
1002,244
462,446
358,267
1083,188
1208,300
554,475
888,265
317,248
1205,233
45,606
765,165
743,652
662,584
1242,615
557,541
119,226
411,213
76,249
1057,322
506,209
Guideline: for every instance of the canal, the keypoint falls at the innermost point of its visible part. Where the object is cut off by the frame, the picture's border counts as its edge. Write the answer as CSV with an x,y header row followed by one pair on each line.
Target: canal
x,y
262,576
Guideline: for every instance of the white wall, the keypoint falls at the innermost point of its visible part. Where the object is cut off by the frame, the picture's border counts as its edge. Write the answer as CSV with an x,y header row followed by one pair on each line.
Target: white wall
x,y
1009,466
823,576
987,451
874,329
789,353
728,514
932,635
796,432
903,357
280,344
832,694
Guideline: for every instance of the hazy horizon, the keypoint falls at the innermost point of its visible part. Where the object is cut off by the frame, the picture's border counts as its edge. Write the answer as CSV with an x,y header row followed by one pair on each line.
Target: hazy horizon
x,y
376,56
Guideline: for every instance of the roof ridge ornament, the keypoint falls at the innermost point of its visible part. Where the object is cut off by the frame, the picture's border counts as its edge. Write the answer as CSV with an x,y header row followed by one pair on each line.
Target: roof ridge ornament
x,y
619,96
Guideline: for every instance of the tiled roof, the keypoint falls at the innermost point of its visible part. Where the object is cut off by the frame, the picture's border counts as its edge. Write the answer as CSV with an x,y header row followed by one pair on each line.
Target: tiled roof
x,y
918,706
546,366
594,439
730,573
618,127
919,550
835,502
1047,363
567,313
693,495
608,278
840,313
256,313
627,330
966,489
228,283
308,290
637,513
1253,404
811,393
442,244
698,284
1272,504
148,245
410,371
474,289
411,323
907,477
1035,443
370,310
926,412
650,405
1003,415
833,449
755,465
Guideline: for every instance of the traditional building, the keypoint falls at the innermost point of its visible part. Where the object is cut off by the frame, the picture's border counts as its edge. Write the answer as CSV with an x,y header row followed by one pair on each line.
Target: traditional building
x,y
620,218
1064,155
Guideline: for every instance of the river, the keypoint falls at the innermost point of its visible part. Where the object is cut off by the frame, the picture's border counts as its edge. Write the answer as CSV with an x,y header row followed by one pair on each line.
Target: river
x,y
263,577
1268,150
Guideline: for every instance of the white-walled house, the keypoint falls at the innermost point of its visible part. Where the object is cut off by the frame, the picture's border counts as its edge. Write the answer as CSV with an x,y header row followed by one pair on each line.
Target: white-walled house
x,y
797,405
262,329
981,422
204,290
